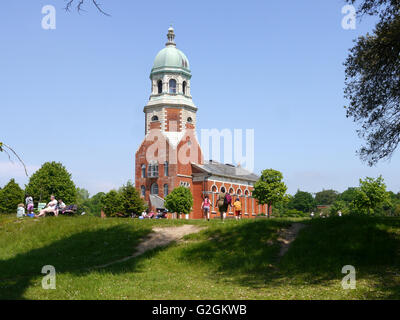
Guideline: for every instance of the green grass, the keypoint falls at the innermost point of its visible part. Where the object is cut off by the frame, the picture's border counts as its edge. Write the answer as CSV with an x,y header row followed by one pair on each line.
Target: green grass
x,y
234,260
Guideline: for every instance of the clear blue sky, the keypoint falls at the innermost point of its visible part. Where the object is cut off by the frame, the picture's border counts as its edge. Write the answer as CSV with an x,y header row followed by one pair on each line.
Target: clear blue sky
x,y
76,94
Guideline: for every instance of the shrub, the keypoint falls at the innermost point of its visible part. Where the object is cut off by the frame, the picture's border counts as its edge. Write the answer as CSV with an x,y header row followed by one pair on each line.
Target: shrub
x,y
337,206
112,203
180,200
397,210
132,201
10,196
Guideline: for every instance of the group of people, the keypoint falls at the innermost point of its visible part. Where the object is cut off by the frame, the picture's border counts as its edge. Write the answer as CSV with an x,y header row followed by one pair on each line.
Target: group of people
x,y
224,201
321,215
53,207
161,214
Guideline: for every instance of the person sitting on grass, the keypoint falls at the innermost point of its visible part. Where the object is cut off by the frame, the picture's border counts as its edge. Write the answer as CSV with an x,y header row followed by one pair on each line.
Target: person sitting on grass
x,y
50,207
144,214
60,207
161,214
21,210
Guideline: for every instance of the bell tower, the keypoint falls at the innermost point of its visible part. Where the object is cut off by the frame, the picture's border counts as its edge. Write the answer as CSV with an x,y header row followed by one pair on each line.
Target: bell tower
x,y
164,159
170,107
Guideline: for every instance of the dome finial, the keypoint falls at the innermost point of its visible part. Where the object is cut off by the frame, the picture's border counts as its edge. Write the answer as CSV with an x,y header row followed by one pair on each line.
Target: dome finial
x,y
171,37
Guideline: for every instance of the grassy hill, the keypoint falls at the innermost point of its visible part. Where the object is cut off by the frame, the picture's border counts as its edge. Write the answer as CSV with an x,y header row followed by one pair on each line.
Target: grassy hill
x,y
234,260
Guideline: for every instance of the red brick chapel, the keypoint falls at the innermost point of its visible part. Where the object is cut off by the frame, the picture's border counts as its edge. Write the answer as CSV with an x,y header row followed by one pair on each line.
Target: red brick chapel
x,y
170,154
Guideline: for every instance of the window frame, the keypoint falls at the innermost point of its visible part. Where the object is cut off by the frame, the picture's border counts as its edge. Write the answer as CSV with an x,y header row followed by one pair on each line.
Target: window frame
x,y
159,86
170,87
152,187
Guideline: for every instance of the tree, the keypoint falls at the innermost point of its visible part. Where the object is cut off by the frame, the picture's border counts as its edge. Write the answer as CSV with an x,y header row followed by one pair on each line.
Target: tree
x,y
10,196
326,197
52,179
373,81
302,201
133,203
79,4
397,210
348,195
112,203
337,206
180,200
370,195
81,195
270,189
93,205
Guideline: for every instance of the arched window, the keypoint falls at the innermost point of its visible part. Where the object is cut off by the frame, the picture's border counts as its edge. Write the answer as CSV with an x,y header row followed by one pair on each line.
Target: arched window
x,y
154,188
190,120
165,190
184,87
159,86
143,171
172,86
166,169
154,118
143,191
231,190
238,192
214,189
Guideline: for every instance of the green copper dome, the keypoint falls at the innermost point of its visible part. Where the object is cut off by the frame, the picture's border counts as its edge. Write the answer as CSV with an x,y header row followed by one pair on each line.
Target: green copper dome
x,y
171,59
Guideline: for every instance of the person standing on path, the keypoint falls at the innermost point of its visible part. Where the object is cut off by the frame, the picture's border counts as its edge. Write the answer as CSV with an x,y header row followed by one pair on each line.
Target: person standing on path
x,y
221,204
29,204
238,209
206,208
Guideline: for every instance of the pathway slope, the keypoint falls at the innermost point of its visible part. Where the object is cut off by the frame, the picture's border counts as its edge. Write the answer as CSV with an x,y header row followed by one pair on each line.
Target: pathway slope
x,y
287,236
160,237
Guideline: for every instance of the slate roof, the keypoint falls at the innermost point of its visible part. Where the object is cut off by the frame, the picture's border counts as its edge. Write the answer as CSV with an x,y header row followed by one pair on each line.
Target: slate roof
x,y
227,170
157,201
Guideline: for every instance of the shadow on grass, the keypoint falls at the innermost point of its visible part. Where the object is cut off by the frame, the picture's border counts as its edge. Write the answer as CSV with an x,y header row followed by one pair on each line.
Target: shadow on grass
x,y
248,254
75,254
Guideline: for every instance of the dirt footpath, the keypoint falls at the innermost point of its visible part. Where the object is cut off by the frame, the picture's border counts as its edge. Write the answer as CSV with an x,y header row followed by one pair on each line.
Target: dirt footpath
x,y
287,236
160,237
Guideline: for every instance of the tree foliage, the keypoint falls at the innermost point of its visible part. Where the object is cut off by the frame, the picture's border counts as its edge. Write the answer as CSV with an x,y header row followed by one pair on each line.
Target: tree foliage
x,y
373,81
93,205
133,203
81,195
10,196
52,179
337,206
370,195
180,200
302,201
348,195
270,188
326,197
112,203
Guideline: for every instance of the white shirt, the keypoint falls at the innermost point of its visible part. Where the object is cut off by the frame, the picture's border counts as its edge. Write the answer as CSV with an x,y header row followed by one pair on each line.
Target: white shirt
x,y
52,204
